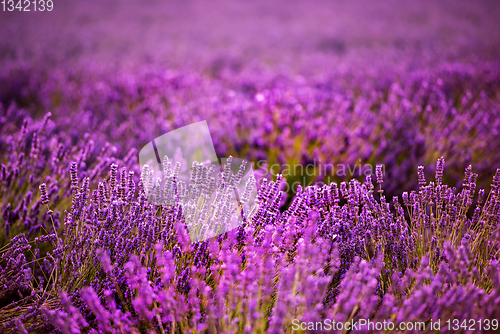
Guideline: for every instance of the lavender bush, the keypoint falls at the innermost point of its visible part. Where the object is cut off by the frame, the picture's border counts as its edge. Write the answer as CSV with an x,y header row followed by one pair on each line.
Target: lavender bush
x,y
350,119
113,262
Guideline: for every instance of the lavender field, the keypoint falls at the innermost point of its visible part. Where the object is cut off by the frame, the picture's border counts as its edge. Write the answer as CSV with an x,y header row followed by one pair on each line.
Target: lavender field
x,y
373,130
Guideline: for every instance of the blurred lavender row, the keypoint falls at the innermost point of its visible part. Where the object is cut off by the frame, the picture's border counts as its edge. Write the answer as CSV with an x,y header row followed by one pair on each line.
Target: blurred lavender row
x,y
393,118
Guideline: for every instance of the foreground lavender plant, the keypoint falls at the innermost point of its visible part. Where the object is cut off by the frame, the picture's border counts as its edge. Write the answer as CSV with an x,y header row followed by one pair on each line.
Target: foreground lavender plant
x,y
125,265
209,200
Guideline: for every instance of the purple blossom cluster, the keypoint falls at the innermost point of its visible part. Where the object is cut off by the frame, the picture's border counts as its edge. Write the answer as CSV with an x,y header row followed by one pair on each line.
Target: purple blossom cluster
x,y
393,118
115,262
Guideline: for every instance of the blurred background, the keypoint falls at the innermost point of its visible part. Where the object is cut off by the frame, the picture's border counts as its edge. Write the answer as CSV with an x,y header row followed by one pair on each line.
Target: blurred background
x,y
399,83
194,32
